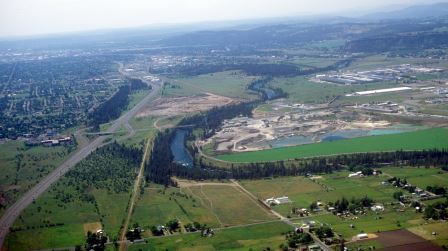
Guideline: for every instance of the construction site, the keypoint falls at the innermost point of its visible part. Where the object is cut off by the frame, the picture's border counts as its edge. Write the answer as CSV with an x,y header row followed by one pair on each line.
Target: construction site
x,y
176,106
289,124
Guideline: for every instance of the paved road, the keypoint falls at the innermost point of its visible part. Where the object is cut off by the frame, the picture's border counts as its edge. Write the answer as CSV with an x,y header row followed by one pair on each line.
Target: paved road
x,y
14,211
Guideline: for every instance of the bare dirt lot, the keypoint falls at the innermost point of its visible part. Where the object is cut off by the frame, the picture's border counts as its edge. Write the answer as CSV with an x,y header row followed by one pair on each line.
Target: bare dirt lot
x,y
405,241
184,105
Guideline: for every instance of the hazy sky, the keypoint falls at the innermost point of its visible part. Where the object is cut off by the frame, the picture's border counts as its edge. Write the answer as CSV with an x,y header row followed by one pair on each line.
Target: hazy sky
x,y
30,17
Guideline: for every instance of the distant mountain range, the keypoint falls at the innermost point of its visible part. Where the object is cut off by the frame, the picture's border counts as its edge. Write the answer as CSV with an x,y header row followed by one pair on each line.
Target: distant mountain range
x,y
417,11
263,32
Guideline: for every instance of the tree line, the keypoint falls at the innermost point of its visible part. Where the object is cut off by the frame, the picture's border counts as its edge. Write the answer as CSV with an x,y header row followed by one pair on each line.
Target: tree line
x,y
257,69
113,107
161,167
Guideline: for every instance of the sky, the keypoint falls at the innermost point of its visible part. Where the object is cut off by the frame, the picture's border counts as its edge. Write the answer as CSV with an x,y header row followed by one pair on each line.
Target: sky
x,y
36,17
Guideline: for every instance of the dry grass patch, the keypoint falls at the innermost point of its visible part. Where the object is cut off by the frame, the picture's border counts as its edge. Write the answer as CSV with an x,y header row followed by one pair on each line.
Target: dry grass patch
x,y
92,227
230,205
289,186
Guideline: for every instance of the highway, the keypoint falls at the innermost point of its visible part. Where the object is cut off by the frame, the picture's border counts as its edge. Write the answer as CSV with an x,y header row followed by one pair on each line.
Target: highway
x,y
14,211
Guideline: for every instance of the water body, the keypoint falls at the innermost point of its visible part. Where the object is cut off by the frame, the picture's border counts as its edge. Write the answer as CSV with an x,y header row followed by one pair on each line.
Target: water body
x,y
333,138
290,141
400,128
341,134
179,151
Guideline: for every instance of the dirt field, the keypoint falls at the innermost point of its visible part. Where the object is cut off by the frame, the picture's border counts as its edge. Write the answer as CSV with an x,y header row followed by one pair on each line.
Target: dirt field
x,y
403,240
190,183
184,105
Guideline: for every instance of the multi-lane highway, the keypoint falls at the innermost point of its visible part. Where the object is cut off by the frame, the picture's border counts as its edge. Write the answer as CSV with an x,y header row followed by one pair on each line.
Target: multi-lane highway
x,y
14,211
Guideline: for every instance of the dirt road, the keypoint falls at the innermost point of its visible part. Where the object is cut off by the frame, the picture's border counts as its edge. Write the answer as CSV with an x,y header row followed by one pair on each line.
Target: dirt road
x,y
135,191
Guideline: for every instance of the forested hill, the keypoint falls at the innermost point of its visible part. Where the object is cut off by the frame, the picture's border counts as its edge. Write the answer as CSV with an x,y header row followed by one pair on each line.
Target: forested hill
x,y
265,36
399,42
360,35
420,11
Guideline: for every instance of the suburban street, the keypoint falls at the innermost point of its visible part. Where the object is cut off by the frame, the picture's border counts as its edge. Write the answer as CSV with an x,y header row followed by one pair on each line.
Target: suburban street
x,y
14,211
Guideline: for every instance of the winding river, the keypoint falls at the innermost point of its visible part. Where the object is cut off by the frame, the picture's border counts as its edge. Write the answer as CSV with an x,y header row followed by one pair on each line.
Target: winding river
x,y
179,150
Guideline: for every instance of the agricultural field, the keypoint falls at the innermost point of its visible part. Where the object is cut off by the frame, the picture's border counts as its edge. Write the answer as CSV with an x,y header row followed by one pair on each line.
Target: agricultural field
x,y
230,205
228,84
418,140
401,239
365,245
22,167
257,237
420,177
214,204
301,90
275,187
217,205
426,230
436,109
34,230
331,187
388,220
380,60
157,205
327,188
313,62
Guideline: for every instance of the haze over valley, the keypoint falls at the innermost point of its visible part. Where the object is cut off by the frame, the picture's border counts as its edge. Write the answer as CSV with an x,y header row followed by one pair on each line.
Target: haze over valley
x,y
223,125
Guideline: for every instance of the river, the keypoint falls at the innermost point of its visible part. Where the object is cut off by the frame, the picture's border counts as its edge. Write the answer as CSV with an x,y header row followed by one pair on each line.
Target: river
x,y
179,150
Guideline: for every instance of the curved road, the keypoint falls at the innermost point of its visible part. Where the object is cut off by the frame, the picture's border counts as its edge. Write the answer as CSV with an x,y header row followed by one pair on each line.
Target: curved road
x,y
14,211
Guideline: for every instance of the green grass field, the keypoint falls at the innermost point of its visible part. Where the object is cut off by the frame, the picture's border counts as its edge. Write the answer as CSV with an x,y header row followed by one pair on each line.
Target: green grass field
x,y
330,187
136,97
303,191
371,223
420,177
379,61
435,109
48,210
158,205
229,84
214,205
365,245
112,207
61,236
290,186
256,237
76,201
311,62
302,90
230,205
35,220
23,167
418,140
